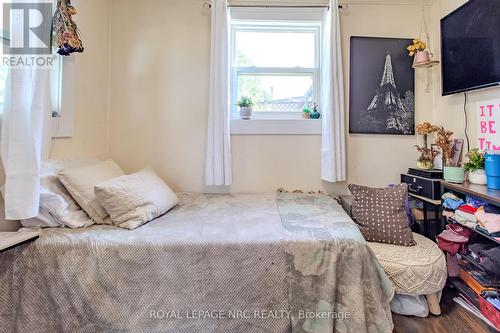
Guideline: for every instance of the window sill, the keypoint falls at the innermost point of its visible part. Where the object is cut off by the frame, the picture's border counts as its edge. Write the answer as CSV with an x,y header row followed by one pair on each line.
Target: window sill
x,y
276,127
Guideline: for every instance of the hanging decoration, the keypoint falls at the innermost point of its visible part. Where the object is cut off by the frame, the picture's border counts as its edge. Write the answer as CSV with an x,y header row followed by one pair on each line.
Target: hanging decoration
x,y
423,56
65,31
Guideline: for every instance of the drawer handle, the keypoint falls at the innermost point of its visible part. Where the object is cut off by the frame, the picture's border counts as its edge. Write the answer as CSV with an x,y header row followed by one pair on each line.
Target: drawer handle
x,y
414,189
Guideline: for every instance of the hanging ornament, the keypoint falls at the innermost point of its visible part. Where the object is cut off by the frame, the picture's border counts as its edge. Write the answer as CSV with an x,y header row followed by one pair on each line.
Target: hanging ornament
x,y
419,49
64,29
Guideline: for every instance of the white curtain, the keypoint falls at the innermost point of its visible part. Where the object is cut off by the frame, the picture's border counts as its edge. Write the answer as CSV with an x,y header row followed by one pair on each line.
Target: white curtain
x,y
218,159
27,106
333,155
27,101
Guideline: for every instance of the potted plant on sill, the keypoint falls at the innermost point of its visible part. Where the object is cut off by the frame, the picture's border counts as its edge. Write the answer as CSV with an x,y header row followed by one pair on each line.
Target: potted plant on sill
x,y
475,167
314,114
246,107
306,113
444,141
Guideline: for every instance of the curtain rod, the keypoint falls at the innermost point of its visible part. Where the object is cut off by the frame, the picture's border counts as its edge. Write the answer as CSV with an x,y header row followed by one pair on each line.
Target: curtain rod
x,y
342,5
278,6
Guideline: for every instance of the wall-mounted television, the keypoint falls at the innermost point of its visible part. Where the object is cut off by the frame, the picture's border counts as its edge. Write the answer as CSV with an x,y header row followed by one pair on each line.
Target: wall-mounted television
x,y
470,47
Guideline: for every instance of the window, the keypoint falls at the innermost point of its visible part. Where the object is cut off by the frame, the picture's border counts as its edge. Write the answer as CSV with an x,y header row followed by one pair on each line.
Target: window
x,y
276,60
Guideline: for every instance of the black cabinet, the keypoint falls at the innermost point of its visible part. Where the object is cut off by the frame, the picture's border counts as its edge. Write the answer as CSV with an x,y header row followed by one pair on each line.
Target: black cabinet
x,y
424,187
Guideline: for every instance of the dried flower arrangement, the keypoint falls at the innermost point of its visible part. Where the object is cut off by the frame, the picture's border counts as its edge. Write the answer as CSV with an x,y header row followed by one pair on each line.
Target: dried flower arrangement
x,y
417,46
65,31
444,140
425,129
426,158
427,155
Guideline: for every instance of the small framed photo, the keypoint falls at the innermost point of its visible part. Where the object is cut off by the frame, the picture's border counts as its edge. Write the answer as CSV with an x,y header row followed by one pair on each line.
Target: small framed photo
x,y
458,145
438,160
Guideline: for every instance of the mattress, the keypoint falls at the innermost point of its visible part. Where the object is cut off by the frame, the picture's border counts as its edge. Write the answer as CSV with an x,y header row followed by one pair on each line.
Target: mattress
x,y
262,263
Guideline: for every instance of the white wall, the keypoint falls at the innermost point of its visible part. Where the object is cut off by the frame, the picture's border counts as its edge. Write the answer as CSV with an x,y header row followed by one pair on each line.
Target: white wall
x,y
160,67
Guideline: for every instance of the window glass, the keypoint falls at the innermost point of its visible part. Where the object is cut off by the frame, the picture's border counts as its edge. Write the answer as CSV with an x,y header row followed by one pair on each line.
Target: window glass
x,y
277,93
275,48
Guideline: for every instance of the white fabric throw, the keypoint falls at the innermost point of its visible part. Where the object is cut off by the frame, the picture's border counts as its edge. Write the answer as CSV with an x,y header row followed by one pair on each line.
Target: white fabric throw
x,y
218,159
333,156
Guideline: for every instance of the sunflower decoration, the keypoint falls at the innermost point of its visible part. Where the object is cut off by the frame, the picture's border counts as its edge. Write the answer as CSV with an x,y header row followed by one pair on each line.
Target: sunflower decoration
x,y
65,31
417,46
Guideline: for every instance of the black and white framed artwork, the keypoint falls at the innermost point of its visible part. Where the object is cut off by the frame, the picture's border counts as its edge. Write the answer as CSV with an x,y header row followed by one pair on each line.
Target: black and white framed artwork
x,y
382,87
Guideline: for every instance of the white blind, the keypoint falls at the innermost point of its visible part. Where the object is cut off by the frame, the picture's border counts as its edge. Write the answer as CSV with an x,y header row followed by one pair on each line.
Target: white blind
x,y
279,3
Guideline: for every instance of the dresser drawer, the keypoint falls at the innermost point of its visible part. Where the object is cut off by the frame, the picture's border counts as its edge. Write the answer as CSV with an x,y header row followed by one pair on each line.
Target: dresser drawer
x,y
425,187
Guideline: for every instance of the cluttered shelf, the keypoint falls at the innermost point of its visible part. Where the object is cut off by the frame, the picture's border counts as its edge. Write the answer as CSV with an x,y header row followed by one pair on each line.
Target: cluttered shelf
x,y
479,232
472,243
479,191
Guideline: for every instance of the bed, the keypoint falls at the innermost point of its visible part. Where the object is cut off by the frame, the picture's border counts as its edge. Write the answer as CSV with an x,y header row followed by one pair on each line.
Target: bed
x,y
262,263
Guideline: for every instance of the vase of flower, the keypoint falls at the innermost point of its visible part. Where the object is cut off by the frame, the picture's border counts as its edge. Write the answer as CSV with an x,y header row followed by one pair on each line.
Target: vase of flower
x,y
314,114
418,51
475,167
427,155
444,140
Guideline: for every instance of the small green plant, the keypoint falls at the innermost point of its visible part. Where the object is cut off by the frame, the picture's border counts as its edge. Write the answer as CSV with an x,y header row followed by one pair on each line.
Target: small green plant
x,y
306,110
476,160
245,102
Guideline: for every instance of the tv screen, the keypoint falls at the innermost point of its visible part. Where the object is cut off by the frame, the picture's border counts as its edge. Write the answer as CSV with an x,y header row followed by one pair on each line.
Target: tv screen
x,y
470,47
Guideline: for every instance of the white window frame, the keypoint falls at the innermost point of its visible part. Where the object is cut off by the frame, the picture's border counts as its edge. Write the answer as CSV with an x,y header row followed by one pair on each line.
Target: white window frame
x,y
63,97
285,20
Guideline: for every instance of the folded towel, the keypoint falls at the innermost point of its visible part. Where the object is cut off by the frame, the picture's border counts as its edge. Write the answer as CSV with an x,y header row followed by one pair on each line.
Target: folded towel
x,y
465,222
450,195
452,204
468,209
468,216
491,222
475,202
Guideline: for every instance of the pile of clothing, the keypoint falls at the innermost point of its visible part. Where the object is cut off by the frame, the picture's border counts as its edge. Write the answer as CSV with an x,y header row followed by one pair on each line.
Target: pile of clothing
x,y
486,253
458,237
473,213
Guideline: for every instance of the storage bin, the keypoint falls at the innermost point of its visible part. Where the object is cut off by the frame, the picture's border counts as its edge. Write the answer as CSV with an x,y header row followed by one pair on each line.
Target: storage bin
x,y
489,311
492,167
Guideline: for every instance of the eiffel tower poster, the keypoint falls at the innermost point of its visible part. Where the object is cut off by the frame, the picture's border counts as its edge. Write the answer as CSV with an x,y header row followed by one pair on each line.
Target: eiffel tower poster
x,y
382,87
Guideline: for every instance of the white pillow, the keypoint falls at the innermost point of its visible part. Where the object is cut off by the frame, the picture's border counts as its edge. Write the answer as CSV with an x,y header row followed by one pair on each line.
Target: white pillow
x,y
135,199
57,207
80,182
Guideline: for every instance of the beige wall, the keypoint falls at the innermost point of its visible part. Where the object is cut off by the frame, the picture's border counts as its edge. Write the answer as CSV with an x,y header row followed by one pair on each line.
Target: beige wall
x,y
160,68
91,84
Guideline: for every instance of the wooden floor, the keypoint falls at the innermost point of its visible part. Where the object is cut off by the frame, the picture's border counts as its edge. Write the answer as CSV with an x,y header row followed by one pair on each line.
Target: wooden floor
x,y
454,319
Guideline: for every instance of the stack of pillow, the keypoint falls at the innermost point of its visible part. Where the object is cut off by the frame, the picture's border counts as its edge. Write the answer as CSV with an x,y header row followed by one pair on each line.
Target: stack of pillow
x,y
79,193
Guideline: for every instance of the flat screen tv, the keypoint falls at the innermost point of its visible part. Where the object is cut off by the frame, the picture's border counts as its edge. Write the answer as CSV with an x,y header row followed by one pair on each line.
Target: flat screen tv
x,y
470,47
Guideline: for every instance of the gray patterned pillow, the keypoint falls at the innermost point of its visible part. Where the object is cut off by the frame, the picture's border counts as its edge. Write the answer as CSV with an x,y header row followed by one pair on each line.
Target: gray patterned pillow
x,y
380,214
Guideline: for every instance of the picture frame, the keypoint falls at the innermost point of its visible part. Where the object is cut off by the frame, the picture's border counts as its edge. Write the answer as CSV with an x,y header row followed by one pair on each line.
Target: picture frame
x,y
382,87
